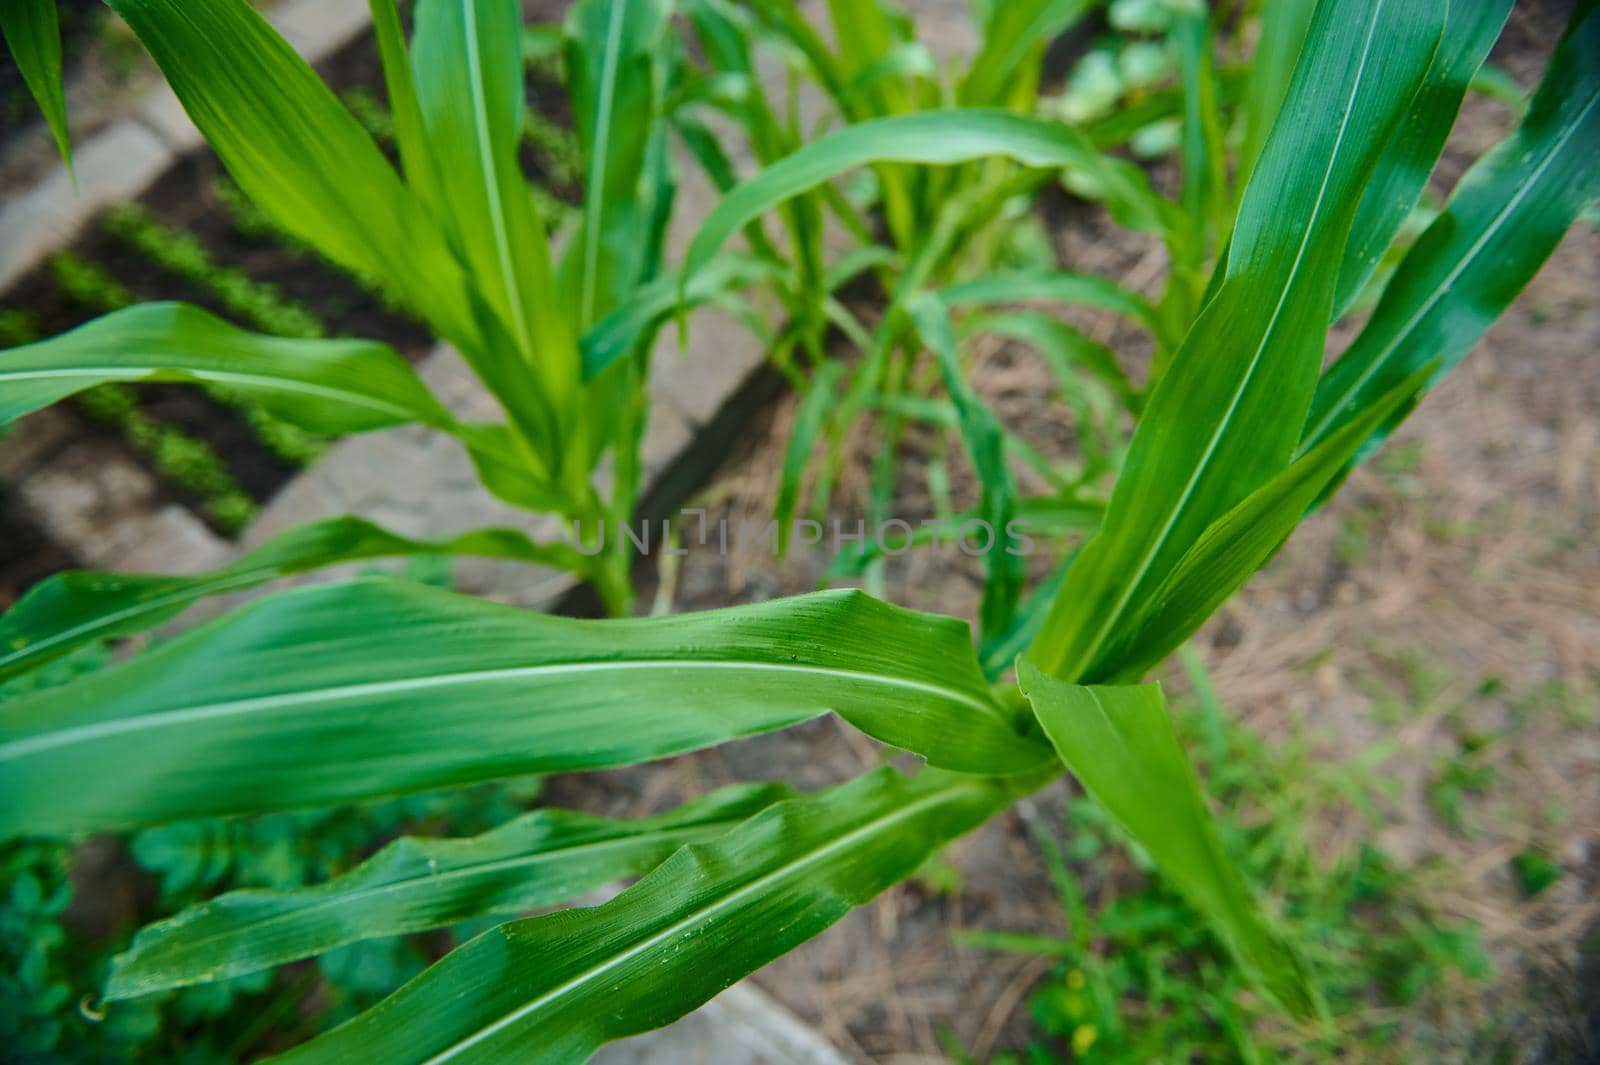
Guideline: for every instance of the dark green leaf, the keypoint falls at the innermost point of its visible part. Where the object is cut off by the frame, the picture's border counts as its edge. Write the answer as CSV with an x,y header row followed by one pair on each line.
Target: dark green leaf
x,y
1119,743
416,884
554,989
1241,541
1226,415
1402,171
1505,218
377,687
33,37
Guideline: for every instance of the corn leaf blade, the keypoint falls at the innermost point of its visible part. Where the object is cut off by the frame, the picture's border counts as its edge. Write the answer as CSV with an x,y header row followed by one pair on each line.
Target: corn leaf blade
x,y
1240,542
33,36
556,988
295,151
1507,215
1402,171
1118,741
941,137
417,884
325,386
71,609
376,687
1226,414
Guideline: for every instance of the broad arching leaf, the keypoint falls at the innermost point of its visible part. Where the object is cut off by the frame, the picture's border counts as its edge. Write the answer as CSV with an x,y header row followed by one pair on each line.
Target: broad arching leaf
x,y
936,137
377,687
416,884
326,386
553,989
1506,216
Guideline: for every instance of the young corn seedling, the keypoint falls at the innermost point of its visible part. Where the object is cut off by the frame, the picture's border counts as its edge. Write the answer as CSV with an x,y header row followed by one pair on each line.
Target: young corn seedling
x,y
454,234
372,687
937,222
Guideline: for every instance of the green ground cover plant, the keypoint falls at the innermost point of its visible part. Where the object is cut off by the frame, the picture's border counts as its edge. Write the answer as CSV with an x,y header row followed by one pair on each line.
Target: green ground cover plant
x,y
355,690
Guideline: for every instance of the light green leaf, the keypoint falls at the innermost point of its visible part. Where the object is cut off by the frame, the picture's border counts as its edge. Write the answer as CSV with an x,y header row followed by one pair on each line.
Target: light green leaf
x,y
298,154
1226,415
325,386
68,610
611,49
938,137
1119,743
467,61
33,37
376,687
646,307
1506,216
1058,286
416,884
984,440
555,988
1402,172
410,132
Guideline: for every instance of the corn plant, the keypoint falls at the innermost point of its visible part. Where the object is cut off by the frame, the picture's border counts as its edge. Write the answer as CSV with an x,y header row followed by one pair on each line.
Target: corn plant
x,y
371,687
936,222
455,234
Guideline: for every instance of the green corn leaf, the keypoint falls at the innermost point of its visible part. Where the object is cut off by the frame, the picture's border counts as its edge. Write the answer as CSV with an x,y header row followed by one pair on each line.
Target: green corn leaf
x,y
1402,171
467,60
298,154
417,884
1506,216
610,59
1240,542
645,308
410,132
325,386
1009,57
1119,743
1226,415
376,687
819,398
1283,31
940,137
33,37
1087,290
68,610
984,440
553,989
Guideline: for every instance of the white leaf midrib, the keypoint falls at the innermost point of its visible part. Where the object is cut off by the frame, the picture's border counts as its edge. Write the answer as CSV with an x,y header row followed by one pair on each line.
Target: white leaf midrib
x,y
100,730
